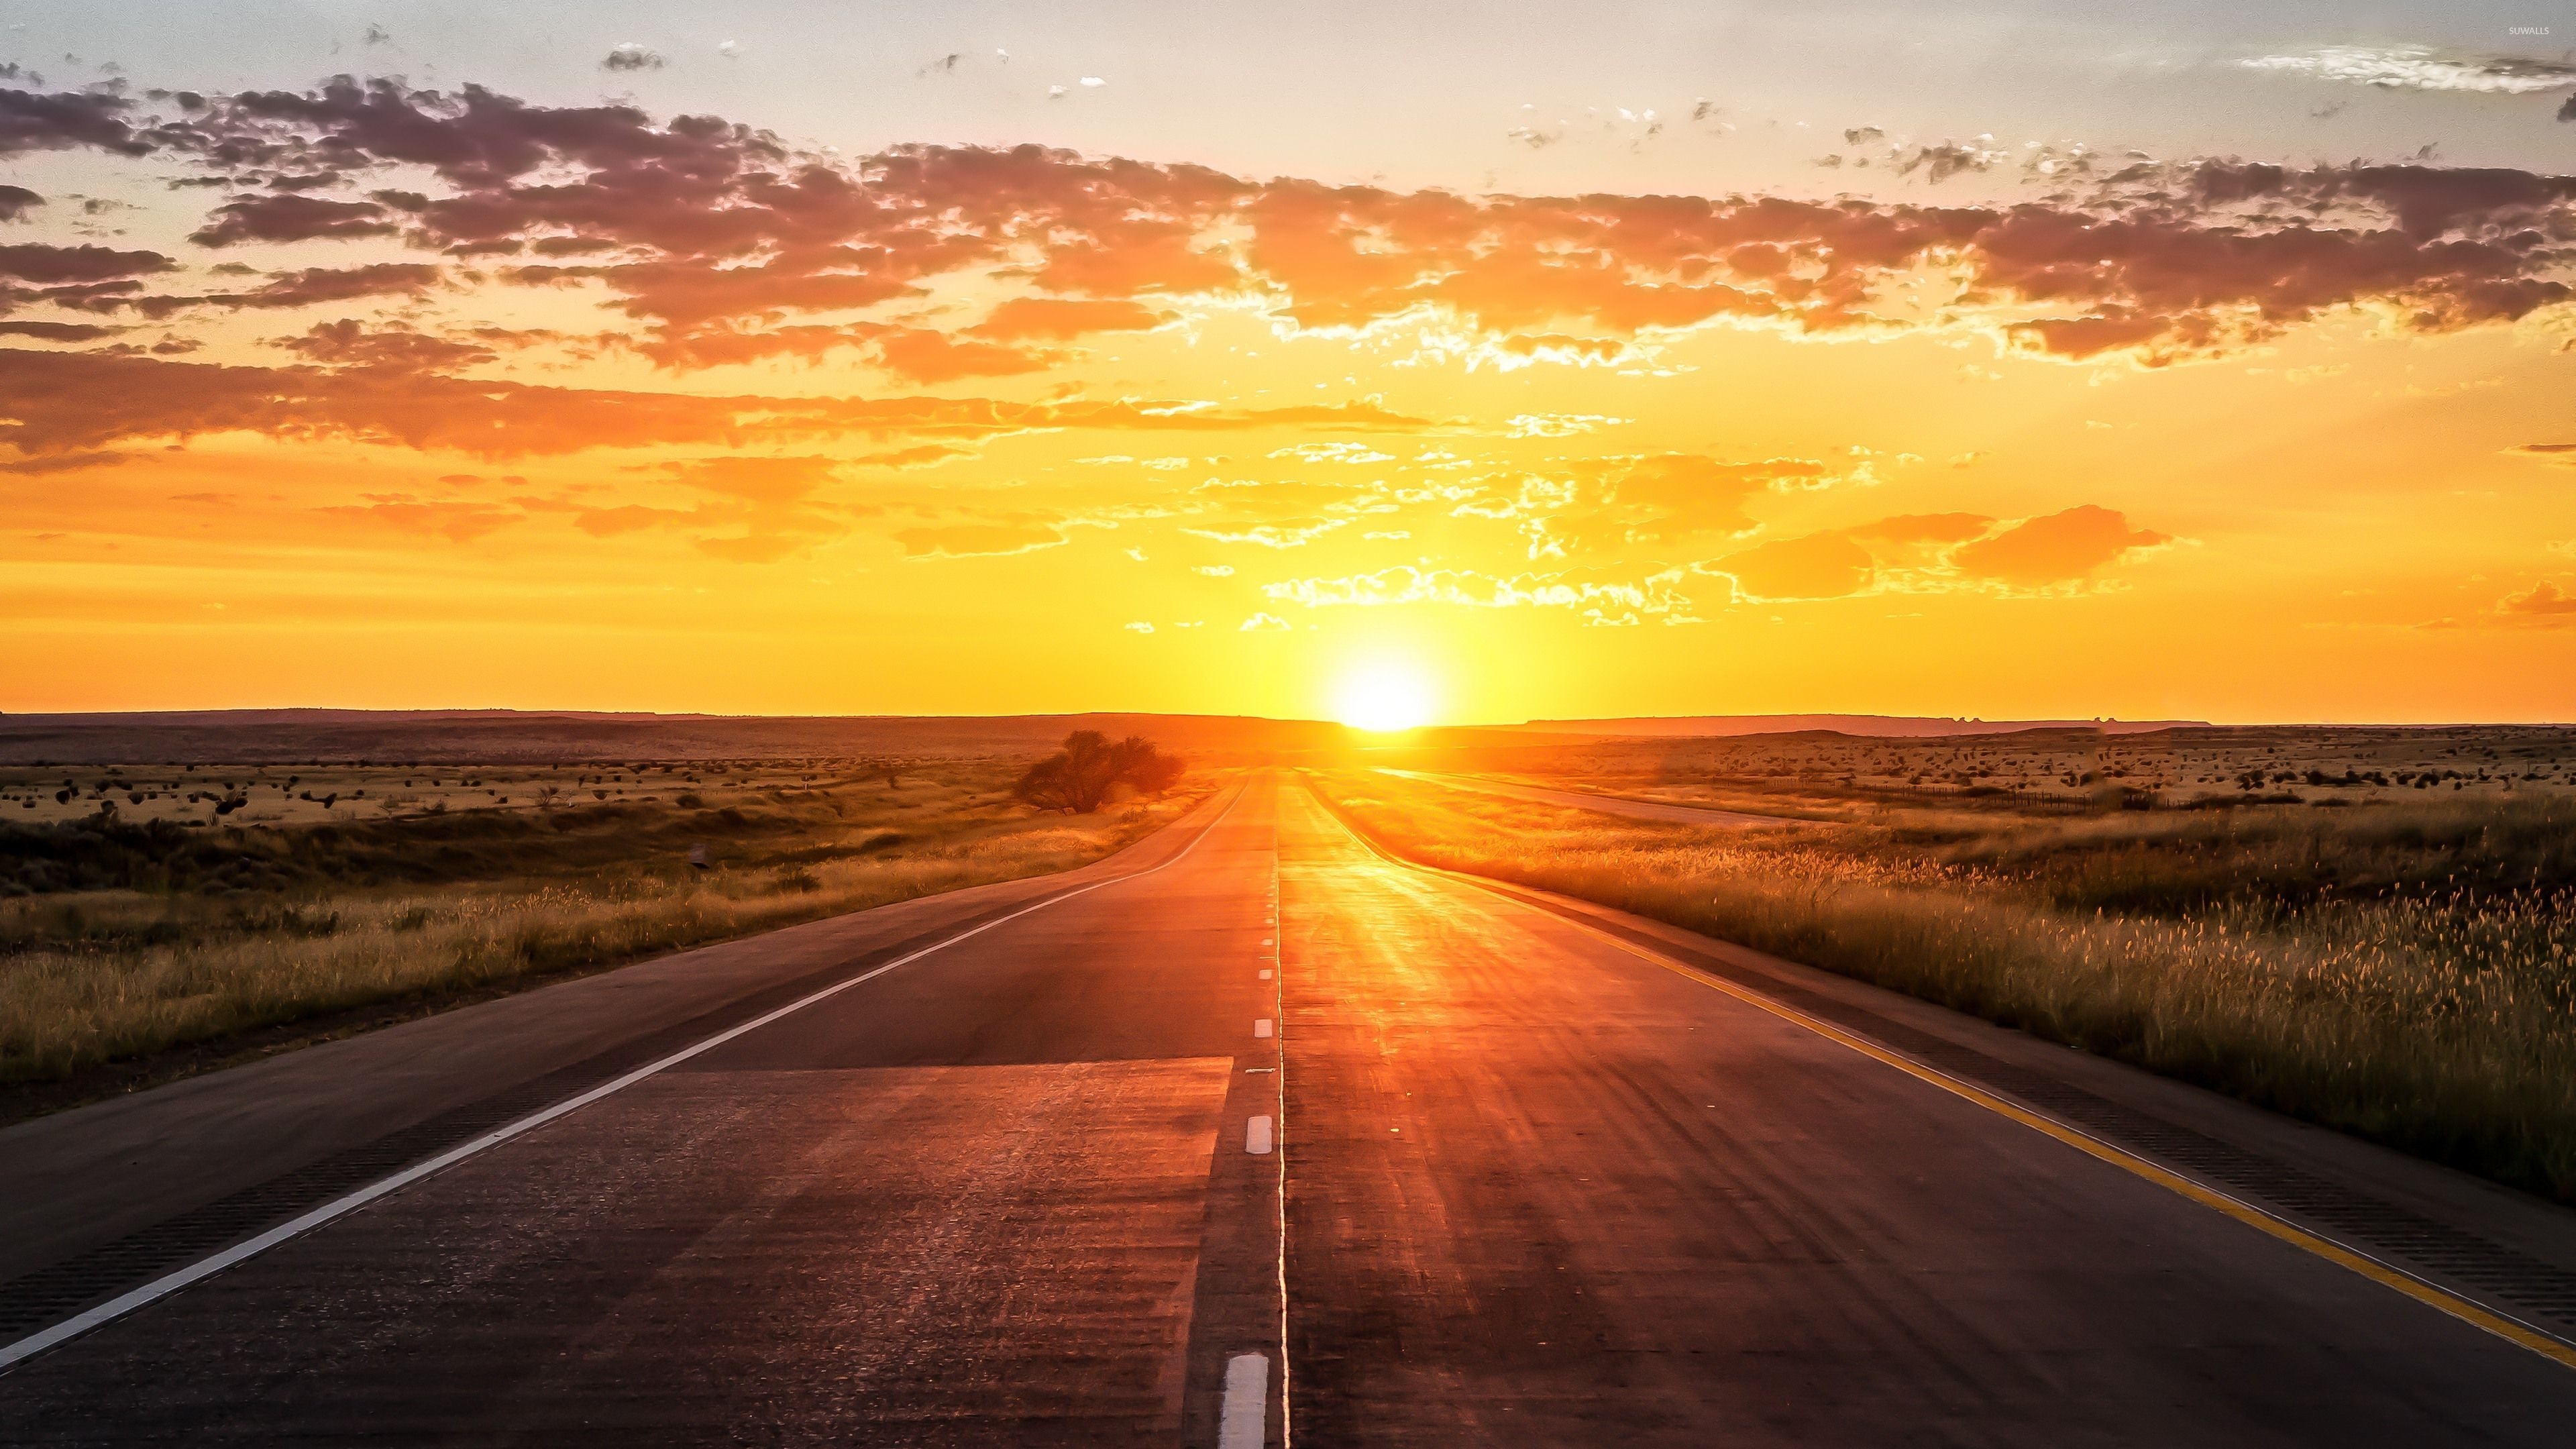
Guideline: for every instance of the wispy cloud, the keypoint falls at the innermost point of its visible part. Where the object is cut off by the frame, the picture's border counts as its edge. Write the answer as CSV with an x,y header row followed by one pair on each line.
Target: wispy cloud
x,y
1270,535
1941,553
2542,603
977,540
2421,68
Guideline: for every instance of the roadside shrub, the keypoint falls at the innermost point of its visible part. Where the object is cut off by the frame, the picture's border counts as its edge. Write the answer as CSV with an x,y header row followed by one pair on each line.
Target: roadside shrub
x,y
1077,778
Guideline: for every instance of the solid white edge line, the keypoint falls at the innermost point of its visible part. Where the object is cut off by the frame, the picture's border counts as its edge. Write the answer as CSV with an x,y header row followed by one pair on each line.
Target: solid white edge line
x,y
169,1283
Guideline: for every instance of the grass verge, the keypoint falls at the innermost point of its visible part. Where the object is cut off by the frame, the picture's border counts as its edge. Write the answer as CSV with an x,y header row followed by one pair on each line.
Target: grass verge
x,y
105,990
2436,1016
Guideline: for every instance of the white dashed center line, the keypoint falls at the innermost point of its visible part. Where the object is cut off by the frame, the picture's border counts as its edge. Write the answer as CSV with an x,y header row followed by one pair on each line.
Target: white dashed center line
x,y
1256,1136
1247,1402
1261,1028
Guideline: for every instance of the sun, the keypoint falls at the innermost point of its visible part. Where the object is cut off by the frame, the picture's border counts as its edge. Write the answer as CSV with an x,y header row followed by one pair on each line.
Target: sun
x,y
1384,696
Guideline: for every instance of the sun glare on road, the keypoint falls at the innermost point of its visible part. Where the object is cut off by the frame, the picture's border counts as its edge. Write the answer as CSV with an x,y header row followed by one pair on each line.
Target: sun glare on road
x,y
1385,696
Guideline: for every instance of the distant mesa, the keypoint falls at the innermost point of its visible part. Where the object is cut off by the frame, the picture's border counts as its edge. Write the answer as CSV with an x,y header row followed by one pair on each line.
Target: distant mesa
x,y
498,735
252,736
1875,726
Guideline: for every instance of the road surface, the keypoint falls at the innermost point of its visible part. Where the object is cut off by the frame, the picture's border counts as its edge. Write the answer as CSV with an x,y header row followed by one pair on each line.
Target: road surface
x,y
1606,804
1544,1183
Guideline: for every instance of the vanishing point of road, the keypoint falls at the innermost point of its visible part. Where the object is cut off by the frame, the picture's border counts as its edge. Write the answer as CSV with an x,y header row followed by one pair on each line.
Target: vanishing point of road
x,y
1247,1136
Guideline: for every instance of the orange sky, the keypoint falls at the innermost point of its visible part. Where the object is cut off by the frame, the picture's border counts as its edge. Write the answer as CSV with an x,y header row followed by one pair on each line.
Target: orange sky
x,y
409,395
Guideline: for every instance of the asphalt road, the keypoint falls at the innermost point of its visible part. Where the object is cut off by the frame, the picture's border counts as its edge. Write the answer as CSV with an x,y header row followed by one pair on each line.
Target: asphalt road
x,y
1027,1188
1606,804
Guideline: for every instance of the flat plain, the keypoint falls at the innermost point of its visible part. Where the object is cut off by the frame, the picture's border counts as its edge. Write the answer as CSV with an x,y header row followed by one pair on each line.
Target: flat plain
x,y
160,919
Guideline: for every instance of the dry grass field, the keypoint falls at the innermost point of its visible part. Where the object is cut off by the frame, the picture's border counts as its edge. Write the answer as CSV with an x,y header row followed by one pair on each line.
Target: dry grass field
x,y
150,912
196,796
2402,967
1834,776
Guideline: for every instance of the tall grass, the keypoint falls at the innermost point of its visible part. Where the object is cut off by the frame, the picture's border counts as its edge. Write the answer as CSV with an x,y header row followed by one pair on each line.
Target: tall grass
x,y
2439,1020
118,975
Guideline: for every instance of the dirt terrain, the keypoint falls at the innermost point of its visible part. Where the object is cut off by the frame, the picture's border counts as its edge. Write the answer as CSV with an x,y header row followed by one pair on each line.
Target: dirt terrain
x,y
2046,769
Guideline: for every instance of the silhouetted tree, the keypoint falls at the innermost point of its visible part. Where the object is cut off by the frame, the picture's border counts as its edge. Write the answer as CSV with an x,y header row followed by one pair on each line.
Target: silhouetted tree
x,y
1078,777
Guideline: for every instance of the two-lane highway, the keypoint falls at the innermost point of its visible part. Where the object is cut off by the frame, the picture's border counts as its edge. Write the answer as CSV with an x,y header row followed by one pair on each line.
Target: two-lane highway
x,y
1678,812
1545,1191
997,1195
1027,1188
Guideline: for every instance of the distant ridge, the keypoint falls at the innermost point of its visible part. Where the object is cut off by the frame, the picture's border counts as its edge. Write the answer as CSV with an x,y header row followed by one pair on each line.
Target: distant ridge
x,y
251,736
1882,726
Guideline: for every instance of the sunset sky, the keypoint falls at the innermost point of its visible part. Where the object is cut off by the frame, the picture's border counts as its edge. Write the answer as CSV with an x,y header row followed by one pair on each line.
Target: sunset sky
x,y
2208,361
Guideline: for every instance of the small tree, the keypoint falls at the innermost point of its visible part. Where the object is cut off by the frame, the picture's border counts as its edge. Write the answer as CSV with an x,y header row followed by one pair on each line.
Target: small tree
x,y
1078,777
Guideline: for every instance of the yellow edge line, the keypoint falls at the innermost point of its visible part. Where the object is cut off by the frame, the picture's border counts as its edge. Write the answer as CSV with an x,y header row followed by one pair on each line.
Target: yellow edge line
x,y
2465,1310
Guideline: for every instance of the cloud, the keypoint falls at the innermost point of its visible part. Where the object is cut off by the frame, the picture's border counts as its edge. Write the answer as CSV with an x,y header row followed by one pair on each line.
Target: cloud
x,y
918,354
1924,528
2420,68
1262,624
767,482
977,540
2058,548
1269,535
921,456
1691,492
1360,454
1940,162
82,278
458,522
1063,319
312,285
2542,603
348,343
2562,455
761,509
63,463
1819,566
58,331
52,265
1557,425
16,202
720,244
774,501
1556,347
627,518
1934,553
1609,503
71,402
630,56
1595,598
291,218
750,548
67,120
